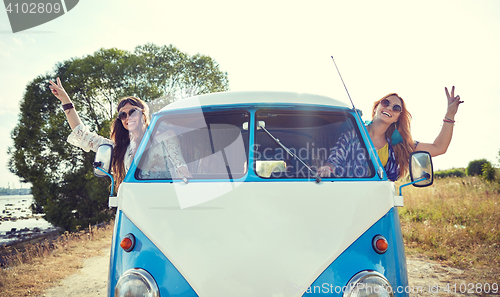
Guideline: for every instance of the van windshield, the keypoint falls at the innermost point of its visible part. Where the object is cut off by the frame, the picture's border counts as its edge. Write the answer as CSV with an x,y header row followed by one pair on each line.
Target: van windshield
x,y
318,138
201,145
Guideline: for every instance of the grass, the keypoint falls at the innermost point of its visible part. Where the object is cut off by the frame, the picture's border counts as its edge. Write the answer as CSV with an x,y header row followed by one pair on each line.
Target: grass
x,y
455,221
40,266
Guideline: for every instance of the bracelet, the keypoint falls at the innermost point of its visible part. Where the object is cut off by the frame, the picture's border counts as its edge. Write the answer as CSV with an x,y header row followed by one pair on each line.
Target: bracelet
x,y
446,120
68,106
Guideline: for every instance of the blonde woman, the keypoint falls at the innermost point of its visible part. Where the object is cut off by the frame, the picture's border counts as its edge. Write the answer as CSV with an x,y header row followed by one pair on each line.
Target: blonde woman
x,y
390,133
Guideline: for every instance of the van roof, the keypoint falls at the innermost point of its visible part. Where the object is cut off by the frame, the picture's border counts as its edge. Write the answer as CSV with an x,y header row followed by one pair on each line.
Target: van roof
x,y
252,98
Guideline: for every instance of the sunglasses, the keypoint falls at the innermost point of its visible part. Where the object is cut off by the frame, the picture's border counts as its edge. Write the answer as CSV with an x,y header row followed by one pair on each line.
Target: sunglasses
x,y
123,115
395,107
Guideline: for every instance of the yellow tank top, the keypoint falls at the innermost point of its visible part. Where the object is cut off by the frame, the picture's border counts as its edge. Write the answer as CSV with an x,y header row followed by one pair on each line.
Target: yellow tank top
x,y
383,154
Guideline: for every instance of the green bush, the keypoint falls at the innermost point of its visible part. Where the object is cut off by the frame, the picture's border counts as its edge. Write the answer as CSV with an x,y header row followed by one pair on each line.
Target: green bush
x,y
476,167
454,172
488,172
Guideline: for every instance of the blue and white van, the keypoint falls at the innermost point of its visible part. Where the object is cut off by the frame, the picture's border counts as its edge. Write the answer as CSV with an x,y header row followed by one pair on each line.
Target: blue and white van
x,y
255,219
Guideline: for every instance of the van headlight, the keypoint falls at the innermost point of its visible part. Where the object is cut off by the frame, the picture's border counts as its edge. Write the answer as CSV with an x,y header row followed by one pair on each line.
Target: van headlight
x,y
368,284
136,282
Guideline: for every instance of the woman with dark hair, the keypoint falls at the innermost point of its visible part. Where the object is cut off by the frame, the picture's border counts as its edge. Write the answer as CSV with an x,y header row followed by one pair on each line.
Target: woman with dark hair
x,y
390,133
126,133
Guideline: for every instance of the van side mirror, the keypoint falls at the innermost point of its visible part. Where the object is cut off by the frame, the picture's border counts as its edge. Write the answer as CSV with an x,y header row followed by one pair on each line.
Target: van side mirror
x,y
102,160
421,167
421,171
102,168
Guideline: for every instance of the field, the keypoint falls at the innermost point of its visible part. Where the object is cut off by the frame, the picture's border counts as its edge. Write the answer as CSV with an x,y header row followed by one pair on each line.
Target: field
x,y
455,221
42,265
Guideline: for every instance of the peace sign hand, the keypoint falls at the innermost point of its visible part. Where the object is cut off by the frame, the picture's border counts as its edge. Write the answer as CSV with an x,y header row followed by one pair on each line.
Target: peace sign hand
x,y
453,103
59,92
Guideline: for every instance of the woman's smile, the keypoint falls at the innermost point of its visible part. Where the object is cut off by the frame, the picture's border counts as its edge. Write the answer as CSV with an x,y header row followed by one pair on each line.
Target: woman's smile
x,y
387,111
131,122
387,114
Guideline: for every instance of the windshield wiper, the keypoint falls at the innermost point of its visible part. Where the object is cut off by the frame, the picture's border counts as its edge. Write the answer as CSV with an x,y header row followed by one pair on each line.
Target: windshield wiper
x,y
261,125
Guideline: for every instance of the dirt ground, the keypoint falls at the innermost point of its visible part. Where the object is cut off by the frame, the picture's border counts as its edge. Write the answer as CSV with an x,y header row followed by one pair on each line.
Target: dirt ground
x,y
89,281
426,278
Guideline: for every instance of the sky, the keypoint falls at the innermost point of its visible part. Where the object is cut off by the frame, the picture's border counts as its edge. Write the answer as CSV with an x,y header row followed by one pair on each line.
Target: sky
x,y
413,48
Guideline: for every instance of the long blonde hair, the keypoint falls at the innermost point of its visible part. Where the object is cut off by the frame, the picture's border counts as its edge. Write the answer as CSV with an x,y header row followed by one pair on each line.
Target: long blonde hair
x,y
401,150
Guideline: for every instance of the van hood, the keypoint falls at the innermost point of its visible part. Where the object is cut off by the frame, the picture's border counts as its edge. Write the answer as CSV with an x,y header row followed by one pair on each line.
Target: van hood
x,y
254,238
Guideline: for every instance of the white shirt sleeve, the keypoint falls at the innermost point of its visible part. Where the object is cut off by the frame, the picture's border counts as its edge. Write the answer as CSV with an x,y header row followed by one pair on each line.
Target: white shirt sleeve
x,y
173,147
83,138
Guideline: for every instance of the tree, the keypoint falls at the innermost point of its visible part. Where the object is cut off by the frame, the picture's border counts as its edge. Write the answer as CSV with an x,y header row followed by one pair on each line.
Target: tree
x,y
476,167
63,185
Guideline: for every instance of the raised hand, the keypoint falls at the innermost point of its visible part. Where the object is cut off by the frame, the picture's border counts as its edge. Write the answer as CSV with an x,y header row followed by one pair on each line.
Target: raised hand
x,y
453,103
59,92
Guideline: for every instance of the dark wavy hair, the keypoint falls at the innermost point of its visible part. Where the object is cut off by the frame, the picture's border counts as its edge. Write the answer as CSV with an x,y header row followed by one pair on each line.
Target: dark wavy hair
x,y
121,137
401,150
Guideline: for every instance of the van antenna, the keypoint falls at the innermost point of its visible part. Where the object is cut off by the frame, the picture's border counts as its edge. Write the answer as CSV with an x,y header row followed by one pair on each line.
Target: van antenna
x,y
379,171
352,103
